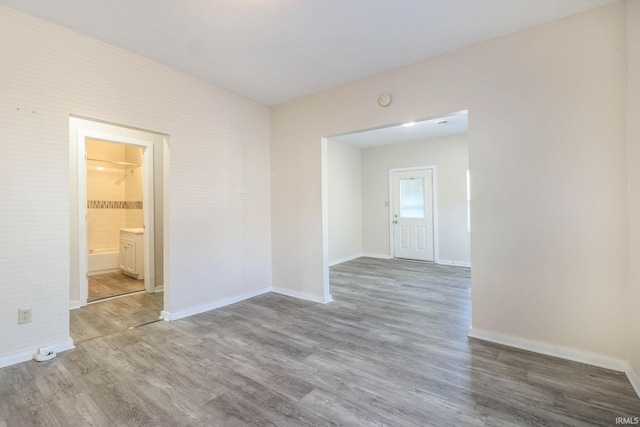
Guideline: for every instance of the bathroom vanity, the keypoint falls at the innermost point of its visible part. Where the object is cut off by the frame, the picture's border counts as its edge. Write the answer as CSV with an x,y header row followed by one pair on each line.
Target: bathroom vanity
x,y
132,252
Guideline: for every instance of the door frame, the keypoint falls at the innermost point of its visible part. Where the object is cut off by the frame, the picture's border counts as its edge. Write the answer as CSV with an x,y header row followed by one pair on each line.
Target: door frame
x,y
147,203
434,204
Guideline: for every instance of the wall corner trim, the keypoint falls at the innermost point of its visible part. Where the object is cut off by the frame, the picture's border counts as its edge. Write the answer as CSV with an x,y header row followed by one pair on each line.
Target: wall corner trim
x,y
634,378
24,356
345,259
454,263
301,295
171,316
550,349
379,256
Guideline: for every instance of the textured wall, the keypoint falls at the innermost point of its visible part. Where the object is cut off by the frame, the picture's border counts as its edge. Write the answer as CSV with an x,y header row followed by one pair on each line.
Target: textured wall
x,y
547,154
344,200
219,240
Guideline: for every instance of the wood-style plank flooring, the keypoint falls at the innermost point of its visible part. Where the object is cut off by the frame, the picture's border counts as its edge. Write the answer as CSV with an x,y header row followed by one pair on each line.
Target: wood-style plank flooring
x,y
114,315
108,285
392,349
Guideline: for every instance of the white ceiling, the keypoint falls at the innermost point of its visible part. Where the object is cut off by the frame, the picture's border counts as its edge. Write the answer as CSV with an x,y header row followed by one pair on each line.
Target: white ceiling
x,y
452,124
276,50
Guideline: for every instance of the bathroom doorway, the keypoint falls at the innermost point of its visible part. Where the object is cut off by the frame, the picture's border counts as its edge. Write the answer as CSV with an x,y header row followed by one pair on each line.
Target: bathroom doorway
x,y
118,200
115,224
119,227
106,164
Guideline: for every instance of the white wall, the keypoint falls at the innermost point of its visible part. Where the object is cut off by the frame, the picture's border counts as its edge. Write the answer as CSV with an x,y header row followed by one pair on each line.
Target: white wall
x,y
547,151
633,135
219,242
451,156
344,174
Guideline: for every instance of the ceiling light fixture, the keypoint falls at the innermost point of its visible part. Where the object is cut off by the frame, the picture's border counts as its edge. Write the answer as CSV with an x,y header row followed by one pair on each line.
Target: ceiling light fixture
x,y
409,124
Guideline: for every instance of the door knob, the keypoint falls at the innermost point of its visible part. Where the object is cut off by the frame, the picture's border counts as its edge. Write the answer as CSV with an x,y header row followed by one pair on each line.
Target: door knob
x,y
395,221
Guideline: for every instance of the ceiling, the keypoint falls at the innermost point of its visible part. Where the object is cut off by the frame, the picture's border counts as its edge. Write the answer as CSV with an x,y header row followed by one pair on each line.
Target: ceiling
x,y
272,51
452,124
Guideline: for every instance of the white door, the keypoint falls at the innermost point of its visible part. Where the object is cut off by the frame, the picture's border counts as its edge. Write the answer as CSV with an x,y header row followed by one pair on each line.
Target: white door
x,y
412,220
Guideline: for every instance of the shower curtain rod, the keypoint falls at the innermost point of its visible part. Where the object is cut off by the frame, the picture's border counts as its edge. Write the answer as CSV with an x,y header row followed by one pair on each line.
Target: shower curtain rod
x,y
114,162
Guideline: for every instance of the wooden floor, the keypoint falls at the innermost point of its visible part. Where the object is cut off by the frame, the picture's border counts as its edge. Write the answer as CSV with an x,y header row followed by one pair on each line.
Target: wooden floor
x,y
112,284
114,315
390,350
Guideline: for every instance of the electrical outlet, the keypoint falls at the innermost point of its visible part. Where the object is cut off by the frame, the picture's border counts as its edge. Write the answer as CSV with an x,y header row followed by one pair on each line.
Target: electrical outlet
x,y
24,315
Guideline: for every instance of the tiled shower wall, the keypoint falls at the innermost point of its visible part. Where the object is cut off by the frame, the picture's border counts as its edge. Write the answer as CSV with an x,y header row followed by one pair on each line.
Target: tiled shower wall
x,y
114,195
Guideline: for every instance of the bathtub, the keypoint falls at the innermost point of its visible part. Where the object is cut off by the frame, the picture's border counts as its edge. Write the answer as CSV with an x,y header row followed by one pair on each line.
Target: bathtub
x,y
103,261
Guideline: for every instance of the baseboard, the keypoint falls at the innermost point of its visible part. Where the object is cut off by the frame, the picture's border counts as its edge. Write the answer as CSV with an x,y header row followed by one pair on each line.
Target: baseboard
x,y
550,350
74,304
158,289
105,271
380,256
170,316
301,295
23,356
453,263
634,378
345,259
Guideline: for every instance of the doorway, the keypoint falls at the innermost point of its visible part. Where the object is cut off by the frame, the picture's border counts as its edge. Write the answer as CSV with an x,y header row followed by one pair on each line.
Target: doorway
x,y
115,224
412,213
146,155
115,233
141,163
357,192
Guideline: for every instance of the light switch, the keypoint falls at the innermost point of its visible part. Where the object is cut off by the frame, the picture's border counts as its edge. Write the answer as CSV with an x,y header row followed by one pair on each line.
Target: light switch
x,y
386,204
243,189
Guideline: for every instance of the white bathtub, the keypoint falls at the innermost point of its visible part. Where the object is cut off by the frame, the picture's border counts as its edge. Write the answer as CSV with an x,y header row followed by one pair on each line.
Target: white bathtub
x,y
102,261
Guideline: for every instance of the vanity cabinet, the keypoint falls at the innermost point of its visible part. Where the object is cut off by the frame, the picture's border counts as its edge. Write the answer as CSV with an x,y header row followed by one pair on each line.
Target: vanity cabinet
x,y
132,252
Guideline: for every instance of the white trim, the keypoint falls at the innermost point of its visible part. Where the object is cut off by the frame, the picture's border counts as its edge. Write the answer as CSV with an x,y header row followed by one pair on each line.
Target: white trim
x,y
170,316
24,356
74,304
634,378
324,172
380,256
454,263
345,259
83,132
434,201
301,295
107,271
550,349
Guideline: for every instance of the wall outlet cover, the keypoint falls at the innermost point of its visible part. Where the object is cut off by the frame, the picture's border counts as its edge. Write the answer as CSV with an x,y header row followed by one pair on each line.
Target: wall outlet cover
x,y
24,316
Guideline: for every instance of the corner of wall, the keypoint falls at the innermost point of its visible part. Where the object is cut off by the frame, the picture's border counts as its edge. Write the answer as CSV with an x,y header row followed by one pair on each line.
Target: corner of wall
x,y
633,179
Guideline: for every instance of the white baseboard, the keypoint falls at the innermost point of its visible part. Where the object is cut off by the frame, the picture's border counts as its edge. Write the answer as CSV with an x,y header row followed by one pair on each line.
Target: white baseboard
x,y
634,378
453,263
301,295
380,256
158,289
23,356
170,316
345,259
550,350
74,304
105,271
